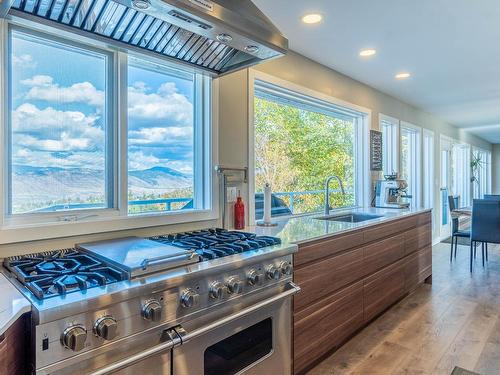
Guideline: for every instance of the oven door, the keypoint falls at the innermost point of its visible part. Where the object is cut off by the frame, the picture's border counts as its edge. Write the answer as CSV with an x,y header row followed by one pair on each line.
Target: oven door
x,y
255,340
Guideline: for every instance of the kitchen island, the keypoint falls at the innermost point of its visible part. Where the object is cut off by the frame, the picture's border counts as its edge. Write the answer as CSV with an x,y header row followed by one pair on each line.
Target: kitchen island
x,y
351,272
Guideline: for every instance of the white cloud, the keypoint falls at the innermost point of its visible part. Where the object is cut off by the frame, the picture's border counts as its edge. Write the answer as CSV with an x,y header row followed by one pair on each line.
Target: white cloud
x,y
35,158
138,161
23,61
65,143
53,130
181,166
44,88
38,80
165,104
157,135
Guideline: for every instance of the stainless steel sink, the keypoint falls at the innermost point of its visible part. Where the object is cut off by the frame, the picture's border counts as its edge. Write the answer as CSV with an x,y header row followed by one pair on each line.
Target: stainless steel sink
x,y
350,217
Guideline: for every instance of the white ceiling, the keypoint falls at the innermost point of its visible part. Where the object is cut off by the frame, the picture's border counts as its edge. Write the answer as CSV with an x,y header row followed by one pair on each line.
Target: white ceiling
x,y
451,48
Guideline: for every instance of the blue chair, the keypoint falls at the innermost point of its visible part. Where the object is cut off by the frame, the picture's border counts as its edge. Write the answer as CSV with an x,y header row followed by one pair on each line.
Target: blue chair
x,y
485,225
492,197
455,231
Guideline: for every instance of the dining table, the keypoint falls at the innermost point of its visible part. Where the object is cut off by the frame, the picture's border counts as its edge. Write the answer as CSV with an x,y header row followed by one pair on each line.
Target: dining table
x,y
462,211
464,216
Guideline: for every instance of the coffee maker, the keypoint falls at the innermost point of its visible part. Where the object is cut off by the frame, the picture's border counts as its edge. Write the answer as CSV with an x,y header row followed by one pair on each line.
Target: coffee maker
x,y
389,193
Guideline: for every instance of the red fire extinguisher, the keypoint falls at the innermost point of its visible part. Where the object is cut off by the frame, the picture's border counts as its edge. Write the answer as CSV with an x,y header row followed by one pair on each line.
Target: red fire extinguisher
x,y
239,214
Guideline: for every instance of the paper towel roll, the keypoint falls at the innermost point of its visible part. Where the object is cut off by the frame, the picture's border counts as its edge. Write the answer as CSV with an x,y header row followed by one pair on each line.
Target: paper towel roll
x,y
267,204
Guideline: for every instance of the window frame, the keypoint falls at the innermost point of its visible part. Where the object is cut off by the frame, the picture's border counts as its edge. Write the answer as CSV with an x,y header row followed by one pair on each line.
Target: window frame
x,y
428,165
83,222
361,145
416,161
111,137
394,147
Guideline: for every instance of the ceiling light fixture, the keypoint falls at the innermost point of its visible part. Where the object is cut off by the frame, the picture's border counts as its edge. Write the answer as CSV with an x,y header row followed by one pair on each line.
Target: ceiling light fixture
x,y
367,52
403,75
312,18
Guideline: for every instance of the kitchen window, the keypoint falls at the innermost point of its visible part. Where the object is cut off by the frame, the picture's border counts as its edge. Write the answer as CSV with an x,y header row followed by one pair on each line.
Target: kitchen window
x,y
390,144
481,172
300,140
92,133
60,126
428,165
410,161
165,142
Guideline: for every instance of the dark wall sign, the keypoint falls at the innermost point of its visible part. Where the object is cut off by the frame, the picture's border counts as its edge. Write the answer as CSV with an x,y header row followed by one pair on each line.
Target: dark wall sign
x,y
375,150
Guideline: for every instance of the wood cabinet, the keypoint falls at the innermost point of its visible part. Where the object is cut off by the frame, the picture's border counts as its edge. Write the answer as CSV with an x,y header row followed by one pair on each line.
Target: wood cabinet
x,y
326,324
326,276
382,289
13,348
348,280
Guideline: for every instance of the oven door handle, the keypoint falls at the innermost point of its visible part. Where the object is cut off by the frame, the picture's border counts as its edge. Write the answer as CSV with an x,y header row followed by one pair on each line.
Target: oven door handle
x,y
141,356
290,290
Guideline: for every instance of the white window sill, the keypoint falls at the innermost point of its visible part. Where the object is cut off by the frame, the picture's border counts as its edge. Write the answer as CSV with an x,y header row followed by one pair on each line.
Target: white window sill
x,y
31,232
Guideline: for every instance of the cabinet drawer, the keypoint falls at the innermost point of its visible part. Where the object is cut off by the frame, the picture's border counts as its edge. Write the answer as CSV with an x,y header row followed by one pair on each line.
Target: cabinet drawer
x,y
389,229
418,238
424,218
327,247
382,289
325,325
418,267
380,254
325,277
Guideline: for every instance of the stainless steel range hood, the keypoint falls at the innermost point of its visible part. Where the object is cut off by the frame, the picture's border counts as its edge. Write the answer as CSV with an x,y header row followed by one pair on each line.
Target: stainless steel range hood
x,y
219,36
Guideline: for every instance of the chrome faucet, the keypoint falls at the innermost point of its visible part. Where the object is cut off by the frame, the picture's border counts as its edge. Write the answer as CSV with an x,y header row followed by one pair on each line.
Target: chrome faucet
x,y
327,192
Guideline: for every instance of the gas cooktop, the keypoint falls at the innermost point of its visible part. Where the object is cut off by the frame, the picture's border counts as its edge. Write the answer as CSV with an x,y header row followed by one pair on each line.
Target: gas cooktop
x,y
217,243
59,272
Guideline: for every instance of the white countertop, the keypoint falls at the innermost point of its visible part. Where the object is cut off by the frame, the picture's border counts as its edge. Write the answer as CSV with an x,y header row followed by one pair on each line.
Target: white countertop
x,y
299,229
12,304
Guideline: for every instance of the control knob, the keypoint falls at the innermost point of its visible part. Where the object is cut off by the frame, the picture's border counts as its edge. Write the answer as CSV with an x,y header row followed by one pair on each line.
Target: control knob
x,y
253,277
216,290
286,268
234,285
273,273
74,337
152,311
106,327
189,298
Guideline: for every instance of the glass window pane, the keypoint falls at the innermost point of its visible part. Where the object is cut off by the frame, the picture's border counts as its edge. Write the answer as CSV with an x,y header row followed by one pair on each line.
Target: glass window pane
x,y
296,149
161,139
58,126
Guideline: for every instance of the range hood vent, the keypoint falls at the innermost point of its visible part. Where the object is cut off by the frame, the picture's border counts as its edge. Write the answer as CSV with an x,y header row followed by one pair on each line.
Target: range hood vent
x,y
218,36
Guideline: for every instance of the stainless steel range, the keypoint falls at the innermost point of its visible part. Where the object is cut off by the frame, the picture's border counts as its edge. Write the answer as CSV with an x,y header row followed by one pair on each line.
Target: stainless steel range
x,y
204,302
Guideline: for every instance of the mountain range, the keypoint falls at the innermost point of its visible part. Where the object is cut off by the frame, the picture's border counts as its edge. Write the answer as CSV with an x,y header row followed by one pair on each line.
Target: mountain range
x,y
43,184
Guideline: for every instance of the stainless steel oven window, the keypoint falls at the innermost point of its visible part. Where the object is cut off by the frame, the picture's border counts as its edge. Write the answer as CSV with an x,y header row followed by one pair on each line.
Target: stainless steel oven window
x,y
240,350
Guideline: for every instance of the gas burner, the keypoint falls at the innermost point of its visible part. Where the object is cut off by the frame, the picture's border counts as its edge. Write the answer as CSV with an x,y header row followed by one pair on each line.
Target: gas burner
x,y
60,272
217,243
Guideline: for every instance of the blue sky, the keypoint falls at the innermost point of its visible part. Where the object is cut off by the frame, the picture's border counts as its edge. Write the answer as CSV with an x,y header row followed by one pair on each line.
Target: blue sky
x,y
58,105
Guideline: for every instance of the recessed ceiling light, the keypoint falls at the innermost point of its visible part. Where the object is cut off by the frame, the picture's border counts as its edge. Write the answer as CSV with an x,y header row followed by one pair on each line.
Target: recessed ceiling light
x,y
403,75
367,52
312,18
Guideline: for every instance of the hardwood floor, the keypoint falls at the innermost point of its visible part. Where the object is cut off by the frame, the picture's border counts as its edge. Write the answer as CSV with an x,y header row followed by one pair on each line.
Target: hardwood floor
x,y
454,322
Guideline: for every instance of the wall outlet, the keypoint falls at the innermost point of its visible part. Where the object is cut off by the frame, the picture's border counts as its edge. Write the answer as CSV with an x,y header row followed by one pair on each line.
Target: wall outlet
x,y
231,194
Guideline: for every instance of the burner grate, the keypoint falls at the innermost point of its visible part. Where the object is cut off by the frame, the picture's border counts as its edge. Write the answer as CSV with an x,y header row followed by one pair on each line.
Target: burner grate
x,y
60,272
216,243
